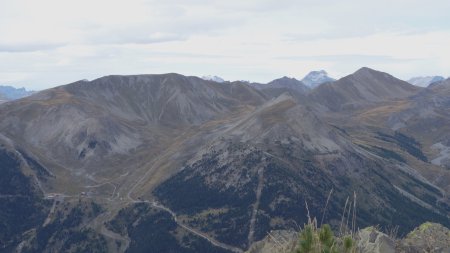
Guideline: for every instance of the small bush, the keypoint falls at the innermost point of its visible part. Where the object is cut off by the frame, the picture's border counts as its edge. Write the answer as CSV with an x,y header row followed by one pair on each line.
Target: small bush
x,y
322,240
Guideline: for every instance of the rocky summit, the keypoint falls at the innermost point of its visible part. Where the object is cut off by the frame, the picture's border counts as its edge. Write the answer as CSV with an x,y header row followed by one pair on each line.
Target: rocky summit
x,y
173,163
316,78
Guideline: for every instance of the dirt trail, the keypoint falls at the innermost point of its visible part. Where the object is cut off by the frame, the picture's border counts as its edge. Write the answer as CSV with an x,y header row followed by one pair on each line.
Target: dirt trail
x,y
192,230
99,225
49,217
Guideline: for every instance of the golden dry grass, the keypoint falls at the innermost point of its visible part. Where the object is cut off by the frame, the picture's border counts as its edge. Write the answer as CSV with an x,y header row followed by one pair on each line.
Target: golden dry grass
x,y
376,115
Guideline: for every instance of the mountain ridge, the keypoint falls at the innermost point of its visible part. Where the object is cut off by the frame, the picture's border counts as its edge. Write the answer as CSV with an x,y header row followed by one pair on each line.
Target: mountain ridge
x,y
424,81
200,156
362,88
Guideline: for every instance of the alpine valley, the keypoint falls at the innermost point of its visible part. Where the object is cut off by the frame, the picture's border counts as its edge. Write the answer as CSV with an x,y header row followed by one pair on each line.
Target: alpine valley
x,y
173,163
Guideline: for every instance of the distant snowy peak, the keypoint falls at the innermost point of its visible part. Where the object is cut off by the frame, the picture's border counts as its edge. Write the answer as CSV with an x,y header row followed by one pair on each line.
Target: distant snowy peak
x,y
424,81
213,78
316,78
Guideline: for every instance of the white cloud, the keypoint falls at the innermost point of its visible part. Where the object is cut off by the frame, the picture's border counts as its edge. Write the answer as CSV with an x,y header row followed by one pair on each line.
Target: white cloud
x,y
50,42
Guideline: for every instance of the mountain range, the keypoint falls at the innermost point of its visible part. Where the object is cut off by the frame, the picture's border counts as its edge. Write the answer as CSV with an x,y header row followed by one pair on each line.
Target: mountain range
x,y
173,163
424,81
8,93
311,80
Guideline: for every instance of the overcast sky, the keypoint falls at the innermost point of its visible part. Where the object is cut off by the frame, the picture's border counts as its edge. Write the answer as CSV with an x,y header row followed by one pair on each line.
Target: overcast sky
x,y
47,43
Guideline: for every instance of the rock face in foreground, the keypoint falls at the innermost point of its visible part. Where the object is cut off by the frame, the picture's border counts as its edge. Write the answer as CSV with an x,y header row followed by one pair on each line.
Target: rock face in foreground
x,y
276,241
428,237
373,241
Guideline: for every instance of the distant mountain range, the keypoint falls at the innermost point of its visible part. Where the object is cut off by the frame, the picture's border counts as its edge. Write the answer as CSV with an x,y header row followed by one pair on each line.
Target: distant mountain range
x,y
173,163
316,78
425,81
8,93
311,80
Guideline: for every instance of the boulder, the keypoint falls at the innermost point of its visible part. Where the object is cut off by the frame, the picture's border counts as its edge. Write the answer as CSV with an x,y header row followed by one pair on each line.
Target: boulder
x,y
373,241
428,237
277,241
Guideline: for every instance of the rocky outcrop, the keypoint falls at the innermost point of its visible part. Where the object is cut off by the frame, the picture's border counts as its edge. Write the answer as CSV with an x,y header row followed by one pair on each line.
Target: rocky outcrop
x,y
429,237
276,241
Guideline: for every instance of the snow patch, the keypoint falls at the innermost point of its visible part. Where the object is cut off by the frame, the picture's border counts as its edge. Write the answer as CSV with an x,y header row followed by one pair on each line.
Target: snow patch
x,y
424,81
216,79
444,154
316,78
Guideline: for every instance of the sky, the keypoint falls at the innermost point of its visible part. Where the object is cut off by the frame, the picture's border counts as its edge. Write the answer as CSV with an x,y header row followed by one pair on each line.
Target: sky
x,y
47,43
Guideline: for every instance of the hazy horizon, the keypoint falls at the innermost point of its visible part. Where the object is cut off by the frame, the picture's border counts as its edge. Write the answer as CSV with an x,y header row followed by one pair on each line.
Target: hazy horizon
x,y
49,43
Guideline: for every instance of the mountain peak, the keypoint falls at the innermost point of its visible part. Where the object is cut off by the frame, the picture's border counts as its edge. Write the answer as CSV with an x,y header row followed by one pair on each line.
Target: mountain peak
x,y
285,79
364,87
371,75
366,70
290,83
216,79
316,78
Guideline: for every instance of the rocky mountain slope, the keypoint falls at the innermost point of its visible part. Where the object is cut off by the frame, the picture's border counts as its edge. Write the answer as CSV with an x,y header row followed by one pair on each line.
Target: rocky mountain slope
x,y
213,167
282,85
3,99
362,89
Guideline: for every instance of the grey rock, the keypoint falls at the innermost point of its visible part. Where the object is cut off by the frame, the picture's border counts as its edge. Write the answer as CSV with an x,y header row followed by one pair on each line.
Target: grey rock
x,y
276,241
373,241
428,237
